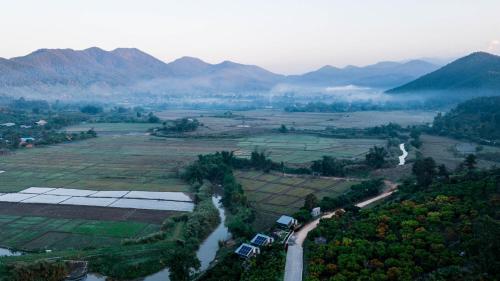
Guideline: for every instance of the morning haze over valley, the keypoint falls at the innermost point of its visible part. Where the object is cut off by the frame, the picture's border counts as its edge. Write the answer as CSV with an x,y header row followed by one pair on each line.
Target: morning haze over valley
x,y
249,140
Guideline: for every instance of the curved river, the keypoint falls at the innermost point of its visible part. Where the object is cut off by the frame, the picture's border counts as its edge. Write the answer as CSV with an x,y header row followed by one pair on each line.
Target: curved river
x,y
402,158
206,253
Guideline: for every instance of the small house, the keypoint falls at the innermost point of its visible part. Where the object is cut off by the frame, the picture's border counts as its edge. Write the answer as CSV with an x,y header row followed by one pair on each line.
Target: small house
x,y
286,222
41,122
261,240
316,212
27,140
247,251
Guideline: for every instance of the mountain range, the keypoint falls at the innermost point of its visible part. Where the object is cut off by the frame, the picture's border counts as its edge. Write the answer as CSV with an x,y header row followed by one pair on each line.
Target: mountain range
x,y
60,73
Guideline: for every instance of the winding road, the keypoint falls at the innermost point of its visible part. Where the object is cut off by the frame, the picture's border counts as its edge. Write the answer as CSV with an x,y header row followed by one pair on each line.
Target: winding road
x,y
294,257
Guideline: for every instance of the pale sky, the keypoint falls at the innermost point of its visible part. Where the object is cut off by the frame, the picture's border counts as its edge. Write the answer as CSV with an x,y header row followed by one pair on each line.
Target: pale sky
x,y
284,36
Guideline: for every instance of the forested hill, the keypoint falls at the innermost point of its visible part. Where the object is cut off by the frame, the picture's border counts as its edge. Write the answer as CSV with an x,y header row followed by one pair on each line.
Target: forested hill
x,y
476,119
478,71
446,231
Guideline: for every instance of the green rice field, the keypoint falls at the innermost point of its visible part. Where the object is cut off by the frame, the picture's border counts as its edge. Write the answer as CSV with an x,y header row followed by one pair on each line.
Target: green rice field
x,y
31,233
292,148
109,162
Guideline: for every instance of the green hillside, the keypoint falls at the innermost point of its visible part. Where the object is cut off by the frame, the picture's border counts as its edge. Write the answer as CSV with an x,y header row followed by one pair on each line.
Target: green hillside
x,y
476,119
477,71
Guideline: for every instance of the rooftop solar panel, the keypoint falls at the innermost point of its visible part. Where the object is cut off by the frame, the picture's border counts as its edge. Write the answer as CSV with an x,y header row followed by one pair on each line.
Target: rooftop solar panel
x,y
244,250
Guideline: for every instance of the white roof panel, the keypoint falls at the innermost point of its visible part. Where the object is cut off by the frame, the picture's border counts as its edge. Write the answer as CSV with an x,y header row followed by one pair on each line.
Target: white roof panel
x,y
89,201
71,192
15,197
37,190
110,194
46,199
174,196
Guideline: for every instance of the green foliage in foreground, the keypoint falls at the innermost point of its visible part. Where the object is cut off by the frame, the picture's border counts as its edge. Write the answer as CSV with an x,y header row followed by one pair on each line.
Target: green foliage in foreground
x,y
445,231
268,266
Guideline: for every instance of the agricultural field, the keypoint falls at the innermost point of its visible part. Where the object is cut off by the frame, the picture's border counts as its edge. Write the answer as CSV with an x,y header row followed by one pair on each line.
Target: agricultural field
x,y
261,120
272,194
34,233
112,128
297,149
120,161
451,152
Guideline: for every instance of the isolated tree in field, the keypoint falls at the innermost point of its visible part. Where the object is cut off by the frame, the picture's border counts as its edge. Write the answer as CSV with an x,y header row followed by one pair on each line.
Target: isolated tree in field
x,y
424,170
376,157
283,129
470,162
91,109
311,201
328,166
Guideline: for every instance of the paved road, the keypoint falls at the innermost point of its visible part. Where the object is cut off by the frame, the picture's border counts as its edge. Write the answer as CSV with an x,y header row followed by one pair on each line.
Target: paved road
x,y
294,257
293,267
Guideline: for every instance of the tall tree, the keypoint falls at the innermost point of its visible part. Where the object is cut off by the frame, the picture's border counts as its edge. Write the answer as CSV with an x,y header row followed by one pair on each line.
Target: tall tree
x,y
376,157
311,201
424,170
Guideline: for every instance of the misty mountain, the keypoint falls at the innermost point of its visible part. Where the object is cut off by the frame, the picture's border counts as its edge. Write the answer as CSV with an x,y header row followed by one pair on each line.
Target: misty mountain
x,y
380,75
475,73
97,69
125,72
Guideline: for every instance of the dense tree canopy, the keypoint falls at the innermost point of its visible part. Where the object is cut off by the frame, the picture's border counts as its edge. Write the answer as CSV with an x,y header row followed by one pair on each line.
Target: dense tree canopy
x,y
446,231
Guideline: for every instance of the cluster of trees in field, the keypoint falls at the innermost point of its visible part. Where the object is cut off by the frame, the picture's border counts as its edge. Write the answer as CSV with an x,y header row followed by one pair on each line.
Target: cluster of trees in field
x,y
16,124
182,125
119,114
445,228
376,158
476,119
350,106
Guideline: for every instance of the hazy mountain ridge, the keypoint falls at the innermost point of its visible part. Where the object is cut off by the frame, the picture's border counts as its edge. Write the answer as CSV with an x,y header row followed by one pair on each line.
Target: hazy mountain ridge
x,y
379,75
67,73
478,71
